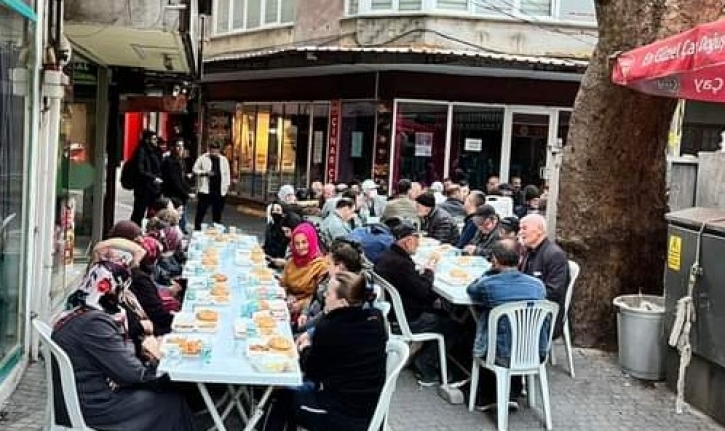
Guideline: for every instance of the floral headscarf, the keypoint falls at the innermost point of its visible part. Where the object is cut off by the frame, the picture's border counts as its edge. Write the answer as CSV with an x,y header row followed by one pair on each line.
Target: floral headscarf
x,y
102,288
313,248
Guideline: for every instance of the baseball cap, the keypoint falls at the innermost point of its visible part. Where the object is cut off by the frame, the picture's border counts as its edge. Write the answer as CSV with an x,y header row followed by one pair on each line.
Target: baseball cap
x,y
484,212
368,185
510,224
404,229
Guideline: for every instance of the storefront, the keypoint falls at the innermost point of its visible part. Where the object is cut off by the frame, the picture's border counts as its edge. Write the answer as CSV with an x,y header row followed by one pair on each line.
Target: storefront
x,y
386,115
81,169
18,80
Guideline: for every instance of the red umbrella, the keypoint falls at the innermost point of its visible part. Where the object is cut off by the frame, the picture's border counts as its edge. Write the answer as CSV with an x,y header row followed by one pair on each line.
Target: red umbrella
x,y
689,65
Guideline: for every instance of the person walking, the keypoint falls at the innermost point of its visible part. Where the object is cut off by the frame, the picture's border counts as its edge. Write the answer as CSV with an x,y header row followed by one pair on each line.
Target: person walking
x,y
147,187
175,185
212,169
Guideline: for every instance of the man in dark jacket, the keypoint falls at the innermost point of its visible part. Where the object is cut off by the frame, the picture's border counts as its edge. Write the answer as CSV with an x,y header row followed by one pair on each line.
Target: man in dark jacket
x,y
175,185
486,221
454,203
436,221
148,170
475,199
420,302
546,261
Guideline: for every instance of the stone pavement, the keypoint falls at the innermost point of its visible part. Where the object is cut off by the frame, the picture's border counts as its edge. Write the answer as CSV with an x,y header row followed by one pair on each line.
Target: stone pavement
x,y
600,398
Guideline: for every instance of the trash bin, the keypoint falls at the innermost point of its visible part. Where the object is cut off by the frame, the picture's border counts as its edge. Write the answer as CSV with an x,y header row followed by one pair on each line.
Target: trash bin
x,y
641,335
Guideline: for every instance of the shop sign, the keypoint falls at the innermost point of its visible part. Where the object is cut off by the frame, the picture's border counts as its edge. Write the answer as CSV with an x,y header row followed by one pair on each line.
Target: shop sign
x,y
317,147
423,144
473,144
333,140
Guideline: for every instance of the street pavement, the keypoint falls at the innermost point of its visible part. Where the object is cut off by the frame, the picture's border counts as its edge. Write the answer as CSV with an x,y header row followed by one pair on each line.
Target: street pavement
x,y
601,397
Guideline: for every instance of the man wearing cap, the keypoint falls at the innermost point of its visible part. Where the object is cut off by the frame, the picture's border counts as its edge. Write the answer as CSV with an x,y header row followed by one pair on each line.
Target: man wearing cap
x,y
212,169
437,223
419,300
486,220
402,206
371,205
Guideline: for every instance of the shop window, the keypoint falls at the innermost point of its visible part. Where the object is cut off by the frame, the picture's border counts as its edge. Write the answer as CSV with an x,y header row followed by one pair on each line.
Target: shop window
x,y
420,140
476,135
14,134
244,15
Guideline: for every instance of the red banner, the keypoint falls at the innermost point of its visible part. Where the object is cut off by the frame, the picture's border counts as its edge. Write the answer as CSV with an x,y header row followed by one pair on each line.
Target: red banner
x,y
333,141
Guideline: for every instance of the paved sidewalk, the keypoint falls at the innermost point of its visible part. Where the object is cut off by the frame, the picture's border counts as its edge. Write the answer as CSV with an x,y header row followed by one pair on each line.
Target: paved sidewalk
x,y
600,398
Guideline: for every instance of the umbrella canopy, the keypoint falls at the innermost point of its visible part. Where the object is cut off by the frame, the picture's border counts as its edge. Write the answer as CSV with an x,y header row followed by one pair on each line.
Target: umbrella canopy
x,y
689,65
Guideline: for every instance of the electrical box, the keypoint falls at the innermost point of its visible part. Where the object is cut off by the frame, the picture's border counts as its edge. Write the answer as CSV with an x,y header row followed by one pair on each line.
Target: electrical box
x,y
688,240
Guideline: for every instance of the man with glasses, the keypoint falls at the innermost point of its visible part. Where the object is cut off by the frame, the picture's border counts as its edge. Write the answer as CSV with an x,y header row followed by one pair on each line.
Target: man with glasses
x,y
486,220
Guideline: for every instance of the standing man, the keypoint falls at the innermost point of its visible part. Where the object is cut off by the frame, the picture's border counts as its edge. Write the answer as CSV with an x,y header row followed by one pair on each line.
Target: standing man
x,y
175,185
212,168
148,180
545,260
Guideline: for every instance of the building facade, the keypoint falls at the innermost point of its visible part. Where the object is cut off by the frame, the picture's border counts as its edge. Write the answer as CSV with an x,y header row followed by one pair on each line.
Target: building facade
x,y
19,86
387,89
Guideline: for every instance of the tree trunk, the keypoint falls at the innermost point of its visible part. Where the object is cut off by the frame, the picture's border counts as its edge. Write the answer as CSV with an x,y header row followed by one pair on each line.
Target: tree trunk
x,y
613,175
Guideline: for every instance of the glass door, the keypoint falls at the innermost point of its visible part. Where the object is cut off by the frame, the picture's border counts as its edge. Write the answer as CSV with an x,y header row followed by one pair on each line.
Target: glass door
x,y
526,141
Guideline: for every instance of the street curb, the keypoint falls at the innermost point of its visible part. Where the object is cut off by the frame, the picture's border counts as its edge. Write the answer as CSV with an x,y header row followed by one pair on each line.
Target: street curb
x,y
255,212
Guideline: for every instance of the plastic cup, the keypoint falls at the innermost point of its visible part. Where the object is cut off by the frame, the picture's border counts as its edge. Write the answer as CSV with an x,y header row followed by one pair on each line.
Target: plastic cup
x,y
173,355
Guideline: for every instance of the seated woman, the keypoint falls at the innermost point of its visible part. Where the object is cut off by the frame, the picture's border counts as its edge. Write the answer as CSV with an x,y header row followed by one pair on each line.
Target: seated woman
x,y
115,389
345,358
343,256
304,270
142,284
275,242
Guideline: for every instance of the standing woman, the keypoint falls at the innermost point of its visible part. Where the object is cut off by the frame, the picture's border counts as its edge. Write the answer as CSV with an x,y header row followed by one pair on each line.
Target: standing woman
x,y
176,187
304,270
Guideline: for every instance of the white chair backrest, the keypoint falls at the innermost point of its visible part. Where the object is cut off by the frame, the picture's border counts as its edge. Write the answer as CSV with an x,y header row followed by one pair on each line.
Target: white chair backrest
x,y
573,275
526,320
397,356
504,205
398,309
67,378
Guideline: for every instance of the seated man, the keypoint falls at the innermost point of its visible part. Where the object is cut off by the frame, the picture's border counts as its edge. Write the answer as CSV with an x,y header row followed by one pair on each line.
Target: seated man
x,y
475,199
437,223
337,224
486,220
501,284
545,260
454,202
402,206
420,302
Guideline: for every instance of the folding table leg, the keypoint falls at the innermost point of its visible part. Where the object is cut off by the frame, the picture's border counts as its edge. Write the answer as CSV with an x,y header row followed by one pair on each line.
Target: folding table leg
x,y
218,422
258,410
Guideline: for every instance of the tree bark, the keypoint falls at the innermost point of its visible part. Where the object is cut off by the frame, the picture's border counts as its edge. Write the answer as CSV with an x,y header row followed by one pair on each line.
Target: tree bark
x,y
612,192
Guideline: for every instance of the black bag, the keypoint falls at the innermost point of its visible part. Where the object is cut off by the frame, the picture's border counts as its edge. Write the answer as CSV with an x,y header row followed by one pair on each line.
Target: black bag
x,y
129,173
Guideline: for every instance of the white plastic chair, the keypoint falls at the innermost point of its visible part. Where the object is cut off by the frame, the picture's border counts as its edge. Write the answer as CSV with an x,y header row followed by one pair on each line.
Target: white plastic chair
x,y
67,381
405,333
504,205
573,274
398,353
526,320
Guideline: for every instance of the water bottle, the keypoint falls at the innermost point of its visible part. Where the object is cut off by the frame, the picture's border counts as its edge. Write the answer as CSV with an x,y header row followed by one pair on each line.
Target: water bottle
x,y
206,352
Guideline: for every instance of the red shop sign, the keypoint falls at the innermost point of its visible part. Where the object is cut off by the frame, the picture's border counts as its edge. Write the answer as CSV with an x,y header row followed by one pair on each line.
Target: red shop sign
x,y
333,141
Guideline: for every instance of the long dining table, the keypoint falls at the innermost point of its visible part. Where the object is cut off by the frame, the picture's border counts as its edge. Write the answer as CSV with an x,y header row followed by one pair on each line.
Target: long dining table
x,y
226,285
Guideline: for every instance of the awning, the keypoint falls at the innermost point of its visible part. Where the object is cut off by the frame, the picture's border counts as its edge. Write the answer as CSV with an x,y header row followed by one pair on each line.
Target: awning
x,y
20,7
689,65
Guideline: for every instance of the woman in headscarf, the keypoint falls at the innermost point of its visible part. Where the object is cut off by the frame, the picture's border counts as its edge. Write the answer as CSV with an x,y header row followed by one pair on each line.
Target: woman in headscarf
x,y
304,270
142,284
115,389
275,243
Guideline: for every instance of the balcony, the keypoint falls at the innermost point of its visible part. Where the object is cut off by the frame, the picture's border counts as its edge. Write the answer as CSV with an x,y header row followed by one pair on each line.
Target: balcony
x,y
154,36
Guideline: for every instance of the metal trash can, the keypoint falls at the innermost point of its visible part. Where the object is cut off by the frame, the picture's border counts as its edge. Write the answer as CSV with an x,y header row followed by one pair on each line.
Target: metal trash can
x,y
640,333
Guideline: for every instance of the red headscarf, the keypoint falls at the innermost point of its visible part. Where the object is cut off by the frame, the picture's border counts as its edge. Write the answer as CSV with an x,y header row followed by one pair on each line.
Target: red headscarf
x,y
313,248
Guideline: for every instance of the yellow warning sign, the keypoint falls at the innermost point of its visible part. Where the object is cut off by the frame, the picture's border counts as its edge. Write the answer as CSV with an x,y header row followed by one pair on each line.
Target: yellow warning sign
x,y
674,253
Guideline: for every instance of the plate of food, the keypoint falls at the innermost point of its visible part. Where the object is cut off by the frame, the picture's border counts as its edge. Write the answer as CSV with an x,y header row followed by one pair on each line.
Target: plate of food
x,y
183,322
457,276
272,345
207,320
189,346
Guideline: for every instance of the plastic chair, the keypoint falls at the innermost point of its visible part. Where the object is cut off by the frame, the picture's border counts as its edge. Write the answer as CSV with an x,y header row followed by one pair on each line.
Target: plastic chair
x,y
526,320
67,381
405,333
504,205
573,274
398,353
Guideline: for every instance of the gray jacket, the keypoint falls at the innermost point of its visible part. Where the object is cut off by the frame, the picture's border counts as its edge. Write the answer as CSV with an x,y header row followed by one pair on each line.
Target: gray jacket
x,y
378,208
441,226
401,207
333,227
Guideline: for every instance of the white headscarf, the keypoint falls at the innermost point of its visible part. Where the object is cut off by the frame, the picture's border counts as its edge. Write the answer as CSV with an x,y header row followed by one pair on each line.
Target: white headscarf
x,y
285,191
